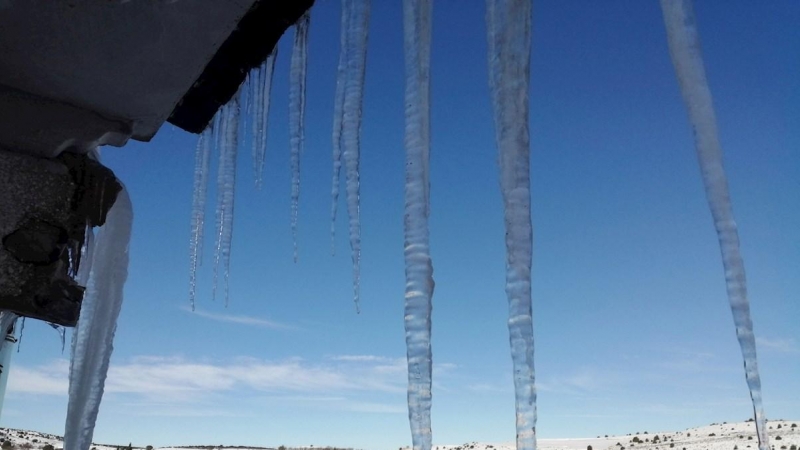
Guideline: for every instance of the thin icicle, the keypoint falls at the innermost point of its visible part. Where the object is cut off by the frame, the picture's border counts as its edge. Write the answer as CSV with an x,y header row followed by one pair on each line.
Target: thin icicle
x,y
297,105
226,189
201,161
84,271
338,115
252,113
419,270
509,36
94,333
687,57
260,93
358,29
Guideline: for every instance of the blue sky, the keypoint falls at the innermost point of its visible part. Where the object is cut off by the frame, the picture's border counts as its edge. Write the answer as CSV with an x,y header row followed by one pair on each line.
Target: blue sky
x,y
632,324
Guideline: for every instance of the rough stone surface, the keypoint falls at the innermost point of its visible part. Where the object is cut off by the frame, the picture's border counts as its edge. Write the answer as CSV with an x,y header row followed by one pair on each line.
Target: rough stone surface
x,y
46,205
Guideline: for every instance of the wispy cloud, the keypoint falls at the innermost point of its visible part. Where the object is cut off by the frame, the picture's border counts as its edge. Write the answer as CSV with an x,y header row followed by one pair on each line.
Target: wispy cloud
x,y
180,379
778,345
240,319
49,379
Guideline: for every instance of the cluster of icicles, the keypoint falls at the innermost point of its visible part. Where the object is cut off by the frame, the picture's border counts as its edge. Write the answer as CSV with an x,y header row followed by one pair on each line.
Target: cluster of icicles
x,y
509,37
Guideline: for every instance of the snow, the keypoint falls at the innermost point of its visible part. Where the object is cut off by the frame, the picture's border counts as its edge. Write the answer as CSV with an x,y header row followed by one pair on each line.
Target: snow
x,y
94,333
684,47
228,145
418,267
297,104
726,437
509,35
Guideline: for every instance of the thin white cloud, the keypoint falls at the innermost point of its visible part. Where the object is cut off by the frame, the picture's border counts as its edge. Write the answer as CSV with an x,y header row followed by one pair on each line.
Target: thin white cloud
x,y
50,379
182,379
778,345
240,319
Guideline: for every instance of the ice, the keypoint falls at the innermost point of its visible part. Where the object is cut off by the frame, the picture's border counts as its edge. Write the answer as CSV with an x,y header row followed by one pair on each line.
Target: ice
x,y
202,156
347,116
94,333
684,47
297,104
226,187
259,99
509,35
419,270
338,115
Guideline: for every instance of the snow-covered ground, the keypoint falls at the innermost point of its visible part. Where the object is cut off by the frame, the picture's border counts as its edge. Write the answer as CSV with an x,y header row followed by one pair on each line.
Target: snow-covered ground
x,y
783,435
725,436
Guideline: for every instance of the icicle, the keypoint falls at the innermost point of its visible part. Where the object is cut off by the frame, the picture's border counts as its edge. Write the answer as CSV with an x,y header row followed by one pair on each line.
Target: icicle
x,y
419,270
226,187
509,35
7,322
338,115
62,334
262,86
297,105
684,47
202,156
84,271
351,127
94,333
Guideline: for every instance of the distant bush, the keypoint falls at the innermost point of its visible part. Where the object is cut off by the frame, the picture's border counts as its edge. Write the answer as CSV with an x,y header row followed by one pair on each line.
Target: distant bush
x,y
749,438
26,445
6,444
712,434
149,447
778,438
793,447
48,447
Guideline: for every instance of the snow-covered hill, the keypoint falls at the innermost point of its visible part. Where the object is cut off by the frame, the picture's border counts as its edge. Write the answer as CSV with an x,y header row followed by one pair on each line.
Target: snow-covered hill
x,y
783,434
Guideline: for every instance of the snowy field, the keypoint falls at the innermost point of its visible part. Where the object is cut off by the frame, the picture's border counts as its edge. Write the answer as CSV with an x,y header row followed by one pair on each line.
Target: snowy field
x,y
783,435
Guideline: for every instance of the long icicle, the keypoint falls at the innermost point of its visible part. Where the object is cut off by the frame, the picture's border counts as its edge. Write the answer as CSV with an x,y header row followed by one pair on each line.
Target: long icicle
x,y
251,102
509,35
260,118
94,334
687,57
297,104
202,156
338,115
351,129
418,267
226,188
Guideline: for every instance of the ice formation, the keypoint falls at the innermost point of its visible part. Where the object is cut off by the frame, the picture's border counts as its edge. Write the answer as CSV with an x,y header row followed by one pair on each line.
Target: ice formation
x,y
260,82
228,146
338,116
419,270
94,333
297,105
684,47
201,161
347,123
509,33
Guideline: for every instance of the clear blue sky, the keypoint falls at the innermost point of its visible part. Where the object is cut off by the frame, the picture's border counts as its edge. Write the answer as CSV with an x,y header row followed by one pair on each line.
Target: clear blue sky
x,y
632,324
